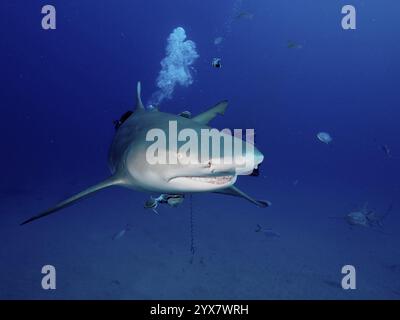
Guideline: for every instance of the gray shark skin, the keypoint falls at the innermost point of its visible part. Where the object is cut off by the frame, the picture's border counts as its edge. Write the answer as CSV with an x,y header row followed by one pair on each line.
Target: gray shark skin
x,y
130,169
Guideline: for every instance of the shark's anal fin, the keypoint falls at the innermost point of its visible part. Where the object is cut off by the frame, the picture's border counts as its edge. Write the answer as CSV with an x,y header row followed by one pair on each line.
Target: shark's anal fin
x,y
102,185
233,191
206,117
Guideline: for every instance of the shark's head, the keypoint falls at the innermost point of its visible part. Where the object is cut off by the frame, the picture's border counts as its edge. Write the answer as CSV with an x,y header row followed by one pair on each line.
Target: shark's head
x,y
162,168
214,174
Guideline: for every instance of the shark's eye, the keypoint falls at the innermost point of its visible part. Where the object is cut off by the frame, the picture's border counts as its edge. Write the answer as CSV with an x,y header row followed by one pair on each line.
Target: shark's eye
x,y
209,164
180,155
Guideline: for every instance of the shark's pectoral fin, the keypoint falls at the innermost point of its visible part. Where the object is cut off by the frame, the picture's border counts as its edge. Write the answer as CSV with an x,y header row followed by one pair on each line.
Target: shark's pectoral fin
x,y
233,191
206,117
102,185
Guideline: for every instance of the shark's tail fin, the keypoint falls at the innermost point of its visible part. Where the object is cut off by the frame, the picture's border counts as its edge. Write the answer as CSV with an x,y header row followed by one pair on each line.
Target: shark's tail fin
x,y
102,185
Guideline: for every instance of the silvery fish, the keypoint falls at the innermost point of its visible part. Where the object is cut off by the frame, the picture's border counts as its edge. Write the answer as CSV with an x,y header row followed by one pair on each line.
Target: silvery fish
x,y
121,233
324,137
218,40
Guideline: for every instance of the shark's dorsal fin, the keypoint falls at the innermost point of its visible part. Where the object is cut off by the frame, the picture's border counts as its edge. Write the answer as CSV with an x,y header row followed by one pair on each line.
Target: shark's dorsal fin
x,y
139,103
206,117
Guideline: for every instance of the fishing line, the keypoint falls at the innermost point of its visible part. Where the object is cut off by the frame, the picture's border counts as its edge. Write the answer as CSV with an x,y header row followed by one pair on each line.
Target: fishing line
x,y
192,242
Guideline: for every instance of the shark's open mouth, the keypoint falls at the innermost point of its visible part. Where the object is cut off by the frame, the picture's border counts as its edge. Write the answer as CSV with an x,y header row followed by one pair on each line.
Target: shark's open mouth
x,y
213,180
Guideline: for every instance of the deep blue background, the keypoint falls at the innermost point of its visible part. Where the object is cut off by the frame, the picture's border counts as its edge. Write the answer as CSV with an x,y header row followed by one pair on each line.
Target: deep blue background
x,y
60,91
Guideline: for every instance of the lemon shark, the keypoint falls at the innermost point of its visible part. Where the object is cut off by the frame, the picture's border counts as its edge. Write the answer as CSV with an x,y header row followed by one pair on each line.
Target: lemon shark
x,y
130,168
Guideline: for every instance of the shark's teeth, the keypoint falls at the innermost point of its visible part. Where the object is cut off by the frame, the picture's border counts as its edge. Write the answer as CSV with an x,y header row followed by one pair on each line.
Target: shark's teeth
x,y
213,180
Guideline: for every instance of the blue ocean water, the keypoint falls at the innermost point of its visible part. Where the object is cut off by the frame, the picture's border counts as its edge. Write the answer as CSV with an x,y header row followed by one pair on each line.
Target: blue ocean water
x,y
289,71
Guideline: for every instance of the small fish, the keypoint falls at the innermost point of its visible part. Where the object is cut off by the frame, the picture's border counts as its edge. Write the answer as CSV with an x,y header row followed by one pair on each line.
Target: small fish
x,y
174,202
271,233
386,150
366,218
218,41
152,204
244,15
333,284
395,268
357,218
396,292
294,45
324,137
267,231
121,233
216,63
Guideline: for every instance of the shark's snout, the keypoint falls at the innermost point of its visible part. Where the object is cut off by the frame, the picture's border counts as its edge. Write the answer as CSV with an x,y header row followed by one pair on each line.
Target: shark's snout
x,y
258,157
247,163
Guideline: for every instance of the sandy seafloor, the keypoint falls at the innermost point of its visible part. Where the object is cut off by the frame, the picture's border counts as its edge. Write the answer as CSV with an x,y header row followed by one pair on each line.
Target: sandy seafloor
x,y
232,261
